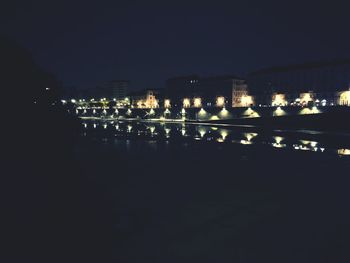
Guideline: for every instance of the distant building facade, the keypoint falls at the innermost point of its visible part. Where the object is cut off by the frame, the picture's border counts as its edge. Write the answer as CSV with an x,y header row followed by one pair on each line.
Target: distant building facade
x,y
240,95
145,99
321,81
119,89
193,90
113,90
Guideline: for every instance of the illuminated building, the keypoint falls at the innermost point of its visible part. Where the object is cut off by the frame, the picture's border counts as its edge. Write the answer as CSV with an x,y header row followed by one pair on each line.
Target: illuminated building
x,y
207,88
197,102
144,99
167,103
323,78
344,98
279,100
305,98
220,101
186,103
240,97
247,101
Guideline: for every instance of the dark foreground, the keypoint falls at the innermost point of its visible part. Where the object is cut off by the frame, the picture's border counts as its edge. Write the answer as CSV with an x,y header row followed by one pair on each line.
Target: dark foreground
x,y
136,192
185,199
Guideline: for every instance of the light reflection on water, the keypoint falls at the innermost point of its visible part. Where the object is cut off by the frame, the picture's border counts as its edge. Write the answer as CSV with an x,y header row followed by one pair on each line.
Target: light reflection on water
x,y
205,133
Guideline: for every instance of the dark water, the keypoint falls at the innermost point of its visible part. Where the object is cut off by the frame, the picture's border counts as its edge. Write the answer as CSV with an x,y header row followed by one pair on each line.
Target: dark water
x,y
187,193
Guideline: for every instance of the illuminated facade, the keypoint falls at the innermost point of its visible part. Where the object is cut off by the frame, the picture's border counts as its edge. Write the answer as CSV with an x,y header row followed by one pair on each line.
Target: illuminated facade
x,y
206,88
240,97
306,98
197,102
324,79
279,100
220,101
186,103
167,103
144,99
344,98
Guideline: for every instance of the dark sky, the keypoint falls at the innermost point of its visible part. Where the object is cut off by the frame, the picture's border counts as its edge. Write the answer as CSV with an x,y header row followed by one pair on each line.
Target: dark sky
x,y
85,44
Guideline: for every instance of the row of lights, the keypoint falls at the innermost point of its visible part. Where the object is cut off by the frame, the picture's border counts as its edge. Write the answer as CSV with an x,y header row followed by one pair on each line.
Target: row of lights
x,y
196,102
303,145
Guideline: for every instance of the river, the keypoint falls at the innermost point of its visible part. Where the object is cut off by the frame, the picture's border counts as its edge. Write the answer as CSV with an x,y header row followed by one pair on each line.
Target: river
x,y
187,193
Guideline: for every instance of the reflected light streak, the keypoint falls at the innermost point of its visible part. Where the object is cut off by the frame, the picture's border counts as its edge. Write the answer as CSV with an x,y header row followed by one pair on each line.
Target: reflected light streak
x,y
224,134
202,131
152,129
250,136
344,151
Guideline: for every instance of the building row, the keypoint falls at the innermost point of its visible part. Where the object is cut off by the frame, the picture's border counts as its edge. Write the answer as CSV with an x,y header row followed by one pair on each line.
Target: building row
x,y
324,83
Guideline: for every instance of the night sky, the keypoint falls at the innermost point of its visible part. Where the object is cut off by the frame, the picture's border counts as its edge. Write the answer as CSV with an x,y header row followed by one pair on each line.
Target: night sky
x,y
85,44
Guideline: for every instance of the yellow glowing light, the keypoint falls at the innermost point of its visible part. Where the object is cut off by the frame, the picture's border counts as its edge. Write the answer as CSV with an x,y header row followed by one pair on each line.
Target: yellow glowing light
x,y
197,102
250,113
279,112
183,111
202,113
247,101
214,118
167,131
279,100
139,104
224,134
186,103
313,110
245,142
128,112
151,112
202,131
167,103
306,97
278,139
224,113
344,151
344,98
220,101
152,129
249,136
167,111
277,143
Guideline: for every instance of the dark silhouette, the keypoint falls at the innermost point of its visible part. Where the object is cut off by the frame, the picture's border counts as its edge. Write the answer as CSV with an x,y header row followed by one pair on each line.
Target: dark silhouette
x,y
51,211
